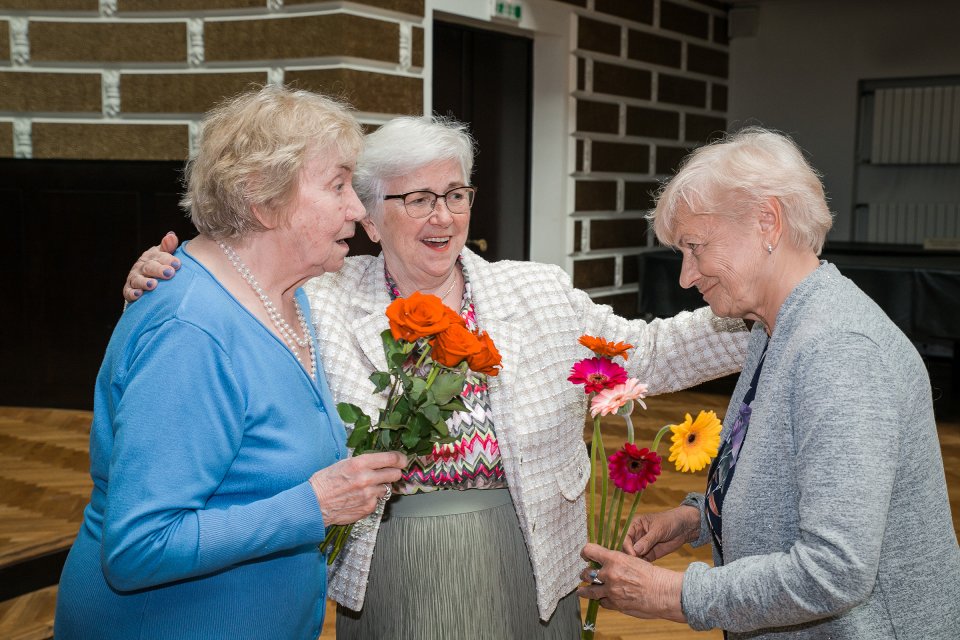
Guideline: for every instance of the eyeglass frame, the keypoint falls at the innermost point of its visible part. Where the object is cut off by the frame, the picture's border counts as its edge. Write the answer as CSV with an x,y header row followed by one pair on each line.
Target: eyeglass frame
x,y
402,197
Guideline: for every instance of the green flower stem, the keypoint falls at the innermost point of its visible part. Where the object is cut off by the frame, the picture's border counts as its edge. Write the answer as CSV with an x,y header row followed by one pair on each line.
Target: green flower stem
x,y
602,454
615,529
656,440
591,524
626,526
434,372
590,623
629,428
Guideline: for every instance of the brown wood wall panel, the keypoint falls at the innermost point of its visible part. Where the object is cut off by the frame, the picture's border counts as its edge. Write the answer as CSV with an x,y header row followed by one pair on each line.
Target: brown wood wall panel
x,y
182,92
302,37
615,233
416,58
371,92
38,91
588,274
129,42
625,158
411,7
636,10
639,196
110,141
129,6
6,139
50,5
4,40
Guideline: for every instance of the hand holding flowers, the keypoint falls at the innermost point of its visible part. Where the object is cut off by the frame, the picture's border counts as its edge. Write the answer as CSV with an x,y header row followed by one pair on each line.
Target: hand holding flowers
x,y
631,469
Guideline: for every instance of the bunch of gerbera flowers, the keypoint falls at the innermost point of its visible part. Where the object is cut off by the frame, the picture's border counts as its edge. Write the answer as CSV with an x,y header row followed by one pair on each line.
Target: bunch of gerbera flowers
x,y
631,469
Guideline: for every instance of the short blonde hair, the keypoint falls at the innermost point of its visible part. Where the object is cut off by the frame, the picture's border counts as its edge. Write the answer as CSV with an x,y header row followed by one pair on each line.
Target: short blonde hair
x,y
738,173
251,149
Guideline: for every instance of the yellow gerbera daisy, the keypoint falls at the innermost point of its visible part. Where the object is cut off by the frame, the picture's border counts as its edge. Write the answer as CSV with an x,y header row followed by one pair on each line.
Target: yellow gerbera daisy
x,y
695,442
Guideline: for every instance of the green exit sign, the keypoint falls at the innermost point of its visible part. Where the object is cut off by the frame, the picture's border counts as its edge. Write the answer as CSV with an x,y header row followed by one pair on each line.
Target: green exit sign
x,y
512,11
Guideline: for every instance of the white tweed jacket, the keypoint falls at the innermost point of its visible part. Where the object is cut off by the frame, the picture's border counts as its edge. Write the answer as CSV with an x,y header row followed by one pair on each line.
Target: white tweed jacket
x,y
535,318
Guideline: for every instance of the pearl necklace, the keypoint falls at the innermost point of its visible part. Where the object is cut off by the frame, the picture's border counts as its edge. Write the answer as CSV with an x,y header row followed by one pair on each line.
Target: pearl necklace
x,y
286,332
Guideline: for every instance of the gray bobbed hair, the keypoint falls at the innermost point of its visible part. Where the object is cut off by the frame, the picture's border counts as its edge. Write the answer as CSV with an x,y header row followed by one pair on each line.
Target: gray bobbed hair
x,y
404,145
735,175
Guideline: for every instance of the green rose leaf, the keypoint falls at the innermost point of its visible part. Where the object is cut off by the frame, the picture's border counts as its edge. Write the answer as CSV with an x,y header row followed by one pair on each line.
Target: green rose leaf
x,y
381,380
349,413
446,387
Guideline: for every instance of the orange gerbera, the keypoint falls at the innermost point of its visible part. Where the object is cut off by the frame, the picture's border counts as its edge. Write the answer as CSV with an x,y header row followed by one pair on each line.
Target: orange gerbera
x,y
604,348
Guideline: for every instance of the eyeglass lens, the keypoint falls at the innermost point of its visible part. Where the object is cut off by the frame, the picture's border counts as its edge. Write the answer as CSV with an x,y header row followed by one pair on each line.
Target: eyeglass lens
x,y
422,203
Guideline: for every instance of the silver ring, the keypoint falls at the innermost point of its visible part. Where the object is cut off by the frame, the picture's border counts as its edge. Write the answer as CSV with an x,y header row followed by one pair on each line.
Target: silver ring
x,y
593,574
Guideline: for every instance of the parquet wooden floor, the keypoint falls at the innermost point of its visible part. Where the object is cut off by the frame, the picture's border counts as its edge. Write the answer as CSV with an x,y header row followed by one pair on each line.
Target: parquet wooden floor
x,y
44,485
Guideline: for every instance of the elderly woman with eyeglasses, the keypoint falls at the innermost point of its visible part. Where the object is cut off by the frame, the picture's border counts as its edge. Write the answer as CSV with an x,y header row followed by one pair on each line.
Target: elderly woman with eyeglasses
x,y
482,537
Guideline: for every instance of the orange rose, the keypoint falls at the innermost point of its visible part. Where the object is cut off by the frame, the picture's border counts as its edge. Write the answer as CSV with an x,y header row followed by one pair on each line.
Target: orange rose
x,y
417,317
604,348
454,344
487,360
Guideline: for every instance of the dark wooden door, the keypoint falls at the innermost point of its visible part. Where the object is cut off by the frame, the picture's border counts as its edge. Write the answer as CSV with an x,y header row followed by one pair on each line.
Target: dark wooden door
x,y
483,78
72,231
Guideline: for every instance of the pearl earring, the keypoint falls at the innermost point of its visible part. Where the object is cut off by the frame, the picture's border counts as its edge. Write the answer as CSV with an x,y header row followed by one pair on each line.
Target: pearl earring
x,y
769,248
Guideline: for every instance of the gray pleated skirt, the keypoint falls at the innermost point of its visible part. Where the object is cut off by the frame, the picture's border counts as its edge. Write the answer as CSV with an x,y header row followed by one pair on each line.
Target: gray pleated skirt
x,y
453,565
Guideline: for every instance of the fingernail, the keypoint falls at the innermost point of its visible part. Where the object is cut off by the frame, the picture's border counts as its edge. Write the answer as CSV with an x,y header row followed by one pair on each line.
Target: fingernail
x,y
137,293
151,284
175,264
168,272
169,233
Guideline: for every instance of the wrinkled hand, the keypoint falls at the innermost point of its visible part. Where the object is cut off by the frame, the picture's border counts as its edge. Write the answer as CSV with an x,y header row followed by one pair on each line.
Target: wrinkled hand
x,y
348,490
632,585
156,262
654,535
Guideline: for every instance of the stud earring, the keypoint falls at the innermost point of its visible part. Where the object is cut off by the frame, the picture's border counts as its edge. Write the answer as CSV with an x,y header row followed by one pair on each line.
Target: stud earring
x,y
769,248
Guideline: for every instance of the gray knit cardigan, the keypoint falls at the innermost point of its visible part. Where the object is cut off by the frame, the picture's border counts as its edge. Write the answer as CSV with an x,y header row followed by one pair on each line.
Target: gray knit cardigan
x,y
836,523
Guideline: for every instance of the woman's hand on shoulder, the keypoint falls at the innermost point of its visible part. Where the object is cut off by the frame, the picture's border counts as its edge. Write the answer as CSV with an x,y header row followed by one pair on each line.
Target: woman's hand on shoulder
x,y
156,263
348,490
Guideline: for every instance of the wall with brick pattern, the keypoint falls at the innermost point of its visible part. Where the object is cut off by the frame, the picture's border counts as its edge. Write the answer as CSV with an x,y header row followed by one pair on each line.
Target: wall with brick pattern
x,y
128,79
651,84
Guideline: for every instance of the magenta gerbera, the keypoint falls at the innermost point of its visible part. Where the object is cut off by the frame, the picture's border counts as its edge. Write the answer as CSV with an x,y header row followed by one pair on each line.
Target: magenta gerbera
x,y
597,374
632,469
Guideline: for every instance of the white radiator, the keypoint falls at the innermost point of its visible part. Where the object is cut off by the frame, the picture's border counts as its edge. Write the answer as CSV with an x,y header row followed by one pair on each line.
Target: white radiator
x,y
916,125
904,223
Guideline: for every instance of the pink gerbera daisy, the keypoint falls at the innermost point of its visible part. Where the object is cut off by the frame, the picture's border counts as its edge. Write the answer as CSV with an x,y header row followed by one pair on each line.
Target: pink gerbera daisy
x,y
597,374
632,469
611,400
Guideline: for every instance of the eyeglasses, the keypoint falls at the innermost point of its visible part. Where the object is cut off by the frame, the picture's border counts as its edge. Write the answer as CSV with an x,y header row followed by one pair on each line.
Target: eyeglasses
x,y
420,204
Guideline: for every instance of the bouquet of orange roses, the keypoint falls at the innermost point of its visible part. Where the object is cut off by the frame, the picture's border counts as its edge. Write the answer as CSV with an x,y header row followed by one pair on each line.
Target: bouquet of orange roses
x,y
428,350
630,469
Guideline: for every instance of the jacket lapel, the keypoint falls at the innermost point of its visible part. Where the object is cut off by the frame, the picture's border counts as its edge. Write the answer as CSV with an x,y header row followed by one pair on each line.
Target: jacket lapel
x,y
499,318
371,300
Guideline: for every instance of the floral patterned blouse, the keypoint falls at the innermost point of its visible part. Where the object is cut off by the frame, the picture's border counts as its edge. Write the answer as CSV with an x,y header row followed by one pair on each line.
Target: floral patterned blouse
x,y
472,460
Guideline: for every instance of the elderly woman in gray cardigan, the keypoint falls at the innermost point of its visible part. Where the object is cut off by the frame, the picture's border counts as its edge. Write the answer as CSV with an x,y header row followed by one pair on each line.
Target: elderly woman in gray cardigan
x,y
826,505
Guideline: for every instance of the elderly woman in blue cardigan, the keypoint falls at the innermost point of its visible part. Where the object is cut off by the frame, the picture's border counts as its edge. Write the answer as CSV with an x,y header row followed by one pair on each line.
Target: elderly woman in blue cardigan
x,y
826,505
217,456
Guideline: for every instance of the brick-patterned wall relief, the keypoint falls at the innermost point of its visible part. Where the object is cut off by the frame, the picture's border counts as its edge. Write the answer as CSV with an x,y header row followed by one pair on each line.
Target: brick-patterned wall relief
x,y
651,85
127,79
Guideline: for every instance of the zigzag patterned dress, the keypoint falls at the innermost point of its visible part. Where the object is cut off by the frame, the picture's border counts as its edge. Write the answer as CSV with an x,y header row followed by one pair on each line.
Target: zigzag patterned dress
x,y
450,549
